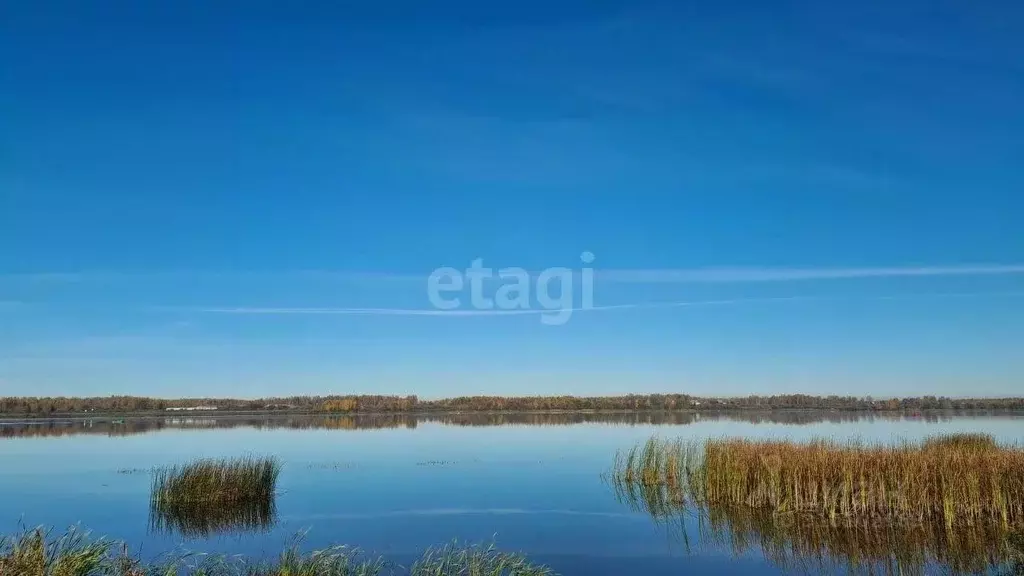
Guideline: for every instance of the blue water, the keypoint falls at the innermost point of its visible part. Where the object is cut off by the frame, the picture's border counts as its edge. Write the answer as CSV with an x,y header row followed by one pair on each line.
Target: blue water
x,y
531,488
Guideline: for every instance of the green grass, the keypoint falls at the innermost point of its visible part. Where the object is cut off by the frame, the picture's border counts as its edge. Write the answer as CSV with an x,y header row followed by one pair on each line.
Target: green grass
x,y
455,560
36,553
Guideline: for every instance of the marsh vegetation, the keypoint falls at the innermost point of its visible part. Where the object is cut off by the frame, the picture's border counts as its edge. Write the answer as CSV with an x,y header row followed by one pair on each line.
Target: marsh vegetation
x,y
954,480
953,501
36,553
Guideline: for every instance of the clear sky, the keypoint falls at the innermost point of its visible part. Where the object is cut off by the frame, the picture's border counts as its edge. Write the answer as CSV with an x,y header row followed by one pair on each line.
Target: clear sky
x,y
246,198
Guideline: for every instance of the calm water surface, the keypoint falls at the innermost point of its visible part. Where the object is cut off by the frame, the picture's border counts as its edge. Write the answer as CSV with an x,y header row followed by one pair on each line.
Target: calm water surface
x,y
395,485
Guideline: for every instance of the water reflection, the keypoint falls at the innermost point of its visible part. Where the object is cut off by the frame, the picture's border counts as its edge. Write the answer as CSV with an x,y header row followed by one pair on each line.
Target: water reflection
x,y
811,544
114,426
202,520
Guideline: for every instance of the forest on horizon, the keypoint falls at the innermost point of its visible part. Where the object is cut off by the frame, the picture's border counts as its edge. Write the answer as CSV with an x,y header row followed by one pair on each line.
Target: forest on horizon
x,y
354,404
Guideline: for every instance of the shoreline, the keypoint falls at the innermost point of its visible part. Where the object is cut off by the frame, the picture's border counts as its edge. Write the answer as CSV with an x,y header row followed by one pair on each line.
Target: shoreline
x,y
154,415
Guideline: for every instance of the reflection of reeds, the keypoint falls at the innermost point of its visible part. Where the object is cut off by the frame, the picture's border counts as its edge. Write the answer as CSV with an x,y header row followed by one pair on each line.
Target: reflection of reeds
x,y
209,496
863,545
202,520
814,543
951,501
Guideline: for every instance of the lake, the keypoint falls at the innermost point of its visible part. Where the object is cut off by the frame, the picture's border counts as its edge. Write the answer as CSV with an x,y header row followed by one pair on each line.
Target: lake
x,y
395,485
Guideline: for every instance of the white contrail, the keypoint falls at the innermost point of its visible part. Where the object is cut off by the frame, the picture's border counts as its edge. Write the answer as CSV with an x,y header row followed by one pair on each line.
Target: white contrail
x,y
468,312
725,275
604,308
638,276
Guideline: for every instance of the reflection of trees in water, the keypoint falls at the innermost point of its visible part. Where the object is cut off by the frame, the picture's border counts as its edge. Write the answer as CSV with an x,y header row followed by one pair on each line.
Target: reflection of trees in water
x,y
810,543
142,425
201,520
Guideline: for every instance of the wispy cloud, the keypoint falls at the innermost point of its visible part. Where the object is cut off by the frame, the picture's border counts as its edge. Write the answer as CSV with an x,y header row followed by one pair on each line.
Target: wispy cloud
x,y
113,276
473,312
282,311
734,275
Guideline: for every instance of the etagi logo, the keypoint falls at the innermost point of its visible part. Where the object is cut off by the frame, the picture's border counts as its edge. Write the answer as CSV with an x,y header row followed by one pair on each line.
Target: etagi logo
x,y
515,290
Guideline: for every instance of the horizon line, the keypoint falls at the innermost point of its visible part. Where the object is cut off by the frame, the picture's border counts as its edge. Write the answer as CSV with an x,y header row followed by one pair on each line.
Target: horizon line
x,y
527,396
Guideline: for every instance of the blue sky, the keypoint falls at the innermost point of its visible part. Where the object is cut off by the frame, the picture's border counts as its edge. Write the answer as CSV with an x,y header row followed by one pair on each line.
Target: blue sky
x,y
206,199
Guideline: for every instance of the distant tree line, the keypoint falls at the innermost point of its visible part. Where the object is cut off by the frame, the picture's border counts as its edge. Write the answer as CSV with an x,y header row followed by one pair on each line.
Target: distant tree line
x,y
353,404
117,425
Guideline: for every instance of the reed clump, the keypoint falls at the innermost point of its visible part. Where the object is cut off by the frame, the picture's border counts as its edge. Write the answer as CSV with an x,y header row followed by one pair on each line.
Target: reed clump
x,y
736,491
205,497
210,481
953,480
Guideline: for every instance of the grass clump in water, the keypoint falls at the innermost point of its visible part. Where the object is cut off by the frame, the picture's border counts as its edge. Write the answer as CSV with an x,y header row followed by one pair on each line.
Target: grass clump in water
x,y
215,496
217,481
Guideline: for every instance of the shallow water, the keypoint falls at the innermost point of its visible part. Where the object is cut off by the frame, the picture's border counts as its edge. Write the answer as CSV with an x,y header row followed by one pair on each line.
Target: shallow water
x,y
395,485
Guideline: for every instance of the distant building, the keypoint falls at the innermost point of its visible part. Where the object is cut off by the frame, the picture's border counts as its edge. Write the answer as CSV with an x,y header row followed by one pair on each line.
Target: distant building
x,y
190,408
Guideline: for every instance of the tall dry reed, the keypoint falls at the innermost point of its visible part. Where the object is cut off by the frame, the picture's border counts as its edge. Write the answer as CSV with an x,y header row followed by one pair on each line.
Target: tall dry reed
x,y
953,480
814,506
